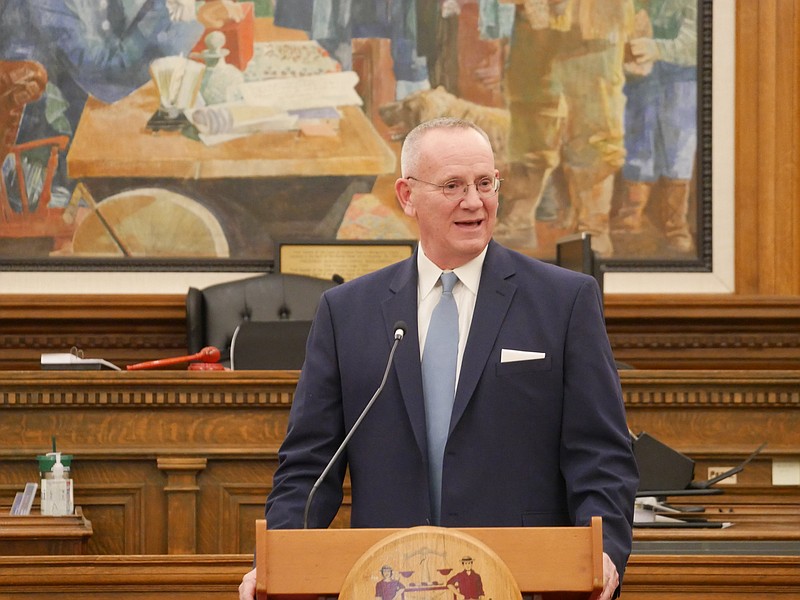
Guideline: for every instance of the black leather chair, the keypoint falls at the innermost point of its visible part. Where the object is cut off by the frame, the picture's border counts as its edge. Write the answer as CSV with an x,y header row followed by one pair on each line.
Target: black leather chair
x,y
214,313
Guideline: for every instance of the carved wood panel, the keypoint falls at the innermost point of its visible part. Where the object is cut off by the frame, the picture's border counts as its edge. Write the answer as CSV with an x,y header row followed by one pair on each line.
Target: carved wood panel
x,y
181,462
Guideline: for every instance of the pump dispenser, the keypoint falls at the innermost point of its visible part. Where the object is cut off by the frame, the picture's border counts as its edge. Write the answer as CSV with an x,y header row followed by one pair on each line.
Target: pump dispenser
x,y
57,492
58,467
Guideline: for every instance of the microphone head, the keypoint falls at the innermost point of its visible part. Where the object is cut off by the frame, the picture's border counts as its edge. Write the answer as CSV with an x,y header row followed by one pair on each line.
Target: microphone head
x,y
400,328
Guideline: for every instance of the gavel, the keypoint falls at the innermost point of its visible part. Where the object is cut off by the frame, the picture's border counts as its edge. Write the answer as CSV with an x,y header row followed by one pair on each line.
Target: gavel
x,y
208,355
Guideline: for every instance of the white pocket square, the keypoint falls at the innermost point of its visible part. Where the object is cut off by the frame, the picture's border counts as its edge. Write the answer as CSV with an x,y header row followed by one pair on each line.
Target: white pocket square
x,y
507,356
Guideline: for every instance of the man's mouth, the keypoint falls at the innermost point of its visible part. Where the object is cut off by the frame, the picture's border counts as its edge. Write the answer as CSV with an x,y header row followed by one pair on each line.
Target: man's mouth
x,y
471,224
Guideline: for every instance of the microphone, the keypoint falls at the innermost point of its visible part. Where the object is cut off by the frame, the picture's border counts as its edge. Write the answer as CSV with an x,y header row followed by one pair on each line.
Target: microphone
x,y
209,354
399,332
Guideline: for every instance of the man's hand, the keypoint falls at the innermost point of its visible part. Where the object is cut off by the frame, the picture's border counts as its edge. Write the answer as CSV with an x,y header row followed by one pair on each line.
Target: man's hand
x,y
247,589
610,578
645,50
641,53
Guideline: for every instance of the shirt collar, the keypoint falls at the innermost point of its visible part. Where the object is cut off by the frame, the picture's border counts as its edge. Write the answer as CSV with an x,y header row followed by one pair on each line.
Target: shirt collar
x,y
469,274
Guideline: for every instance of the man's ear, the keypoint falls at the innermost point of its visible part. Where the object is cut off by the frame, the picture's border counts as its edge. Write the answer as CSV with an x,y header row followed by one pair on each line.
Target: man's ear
x,y
403,192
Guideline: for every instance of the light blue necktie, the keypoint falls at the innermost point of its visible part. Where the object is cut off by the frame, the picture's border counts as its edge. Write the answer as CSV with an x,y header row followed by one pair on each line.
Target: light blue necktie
x,y
439,384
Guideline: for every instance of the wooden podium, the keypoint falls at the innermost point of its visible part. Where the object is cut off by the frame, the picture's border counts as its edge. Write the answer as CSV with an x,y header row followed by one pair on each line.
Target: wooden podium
x,y
557,562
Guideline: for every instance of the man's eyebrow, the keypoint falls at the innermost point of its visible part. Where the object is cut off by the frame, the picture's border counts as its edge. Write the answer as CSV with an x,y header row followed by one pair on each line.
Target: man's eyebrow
x,y
461,178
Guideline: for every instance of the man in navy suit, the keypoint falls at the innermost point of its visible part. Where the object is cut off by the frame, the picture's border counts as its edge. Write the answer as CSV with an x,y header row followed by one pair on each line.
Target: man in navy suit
x,y
537,435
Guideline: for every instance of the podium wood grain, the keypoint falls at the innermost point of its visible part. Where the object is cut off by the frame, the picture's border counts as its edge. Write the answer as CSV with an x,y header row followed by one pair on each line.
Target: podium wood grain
x,y
541,559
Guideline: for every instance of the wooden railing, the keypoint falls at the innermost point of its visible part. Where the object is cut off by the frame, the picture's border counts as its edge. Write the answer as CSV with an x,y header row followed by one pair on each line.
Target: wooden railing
x,y
181,462
216,577
648,332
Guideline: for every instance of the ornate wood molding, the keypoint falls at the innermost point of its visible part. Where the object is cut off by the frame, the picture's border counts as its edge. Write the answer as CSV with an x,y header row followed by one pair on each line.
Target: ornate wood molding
x,y
131,389
711,389
649,332
705,332
106,389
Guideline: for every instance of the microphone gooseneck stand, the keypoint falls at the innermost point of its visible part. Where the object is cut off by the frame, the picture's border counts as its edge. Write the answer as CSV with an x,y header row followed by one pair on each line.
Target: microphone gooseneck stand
x,y
399,332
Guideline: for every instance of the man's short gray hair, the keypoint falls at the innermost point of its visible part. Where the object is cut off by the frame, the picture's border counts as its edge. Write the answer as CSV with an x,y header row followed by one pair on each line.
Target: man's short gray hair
x,y
409,156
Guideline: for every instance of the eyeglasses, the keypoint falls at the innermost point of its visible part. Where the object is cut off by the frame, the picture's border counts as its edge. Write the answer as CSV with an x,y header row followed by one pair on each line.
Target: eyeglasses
x,y
456,189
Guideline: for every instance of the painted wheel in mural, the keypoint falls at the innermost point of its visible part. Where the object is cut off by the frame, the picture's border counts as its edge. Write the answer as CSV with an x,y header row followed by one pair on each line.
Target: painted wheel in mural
x,y
150,222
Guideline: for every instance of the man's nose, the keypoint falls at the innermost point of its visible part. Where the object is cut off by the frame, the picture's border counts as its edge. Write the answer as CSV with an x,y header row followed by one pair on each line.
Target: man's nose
x,y
471,197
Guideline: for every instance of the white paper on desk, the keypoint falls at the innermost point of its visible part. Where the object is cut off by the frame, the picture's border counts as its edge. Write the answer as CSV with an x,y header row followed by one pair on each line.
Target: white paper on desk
x,y
652,503
237,118
224,122
67,360
644,515
313,91
212,139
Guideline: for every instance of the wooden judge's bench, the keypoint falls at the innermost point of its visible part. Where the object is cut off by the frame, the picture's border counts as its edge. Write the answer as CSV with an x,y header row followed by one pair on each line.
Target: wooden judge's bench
x,y
172,468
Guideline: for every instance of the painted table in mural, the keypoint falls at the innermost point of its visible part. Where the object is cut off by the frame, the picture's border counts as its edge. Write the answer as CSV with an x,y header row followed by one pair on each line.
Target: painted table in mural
x,y
260,188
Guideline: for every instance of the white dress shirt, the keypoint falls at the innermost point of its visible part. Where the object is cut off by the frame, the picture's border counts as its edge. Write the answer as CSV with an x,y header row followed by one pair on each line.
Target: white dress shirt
x,y
465,292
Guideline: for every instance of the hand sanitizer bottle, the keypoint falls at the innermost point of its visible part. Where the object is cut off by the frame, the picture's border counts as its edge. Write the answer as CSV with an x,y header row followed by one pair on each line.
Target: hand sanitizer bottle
x,y
57,497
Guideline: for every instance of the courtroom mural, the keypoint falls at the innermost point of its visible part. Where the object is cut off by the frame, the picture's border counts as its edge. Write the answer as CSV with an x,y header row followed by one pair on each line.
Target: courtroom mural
x,y
176,134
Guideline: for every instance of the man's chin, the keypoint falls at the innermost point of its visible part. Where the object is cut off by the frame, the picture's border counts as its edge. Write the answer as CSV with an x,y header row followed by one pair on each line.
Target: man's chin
x,y
472,245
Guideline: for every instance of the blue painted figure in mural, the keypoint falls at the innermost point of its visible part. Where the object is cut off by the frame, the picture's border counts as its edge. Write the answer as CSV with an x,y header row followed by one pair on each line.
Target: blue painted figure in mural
x,y
101,48
334,24
661,119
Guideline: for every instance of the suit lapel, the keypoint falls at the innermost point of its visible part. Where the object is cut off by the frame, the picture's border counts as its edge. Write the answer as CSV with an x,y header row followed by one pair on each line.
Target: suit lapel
x,y
402,306
494,298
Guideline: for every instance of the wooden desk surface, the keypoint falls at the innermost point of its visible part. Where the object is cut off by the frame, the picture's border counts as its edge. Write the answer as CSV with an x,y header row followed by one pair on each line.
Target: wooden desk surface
x,y
780,528
112,141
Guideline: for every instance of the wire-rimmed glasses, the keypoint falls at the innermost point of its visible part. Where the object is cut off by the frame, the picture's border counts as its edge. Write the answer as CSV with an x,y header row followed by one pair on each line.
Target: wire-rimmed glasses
x,y
456,189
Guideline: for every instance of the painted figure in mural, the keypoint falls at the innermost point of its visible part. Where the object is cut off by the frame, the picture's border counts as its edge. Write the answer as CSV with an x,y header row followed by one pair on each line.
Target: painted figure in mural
x,y
661,119
388,587
564,89
467,584
437,41
101,48
334,24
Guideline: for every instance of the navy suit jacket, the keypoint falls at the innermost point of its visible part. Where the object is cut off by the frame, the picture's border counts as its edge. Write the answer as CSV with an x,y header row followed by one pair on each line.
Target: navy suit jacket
x,y
532,443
